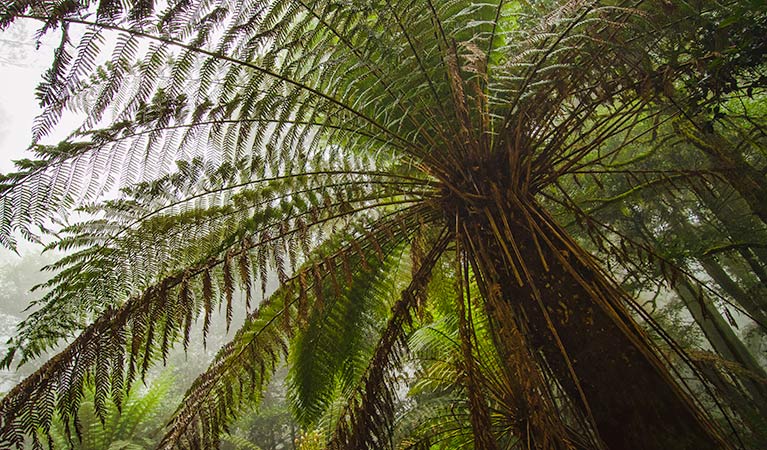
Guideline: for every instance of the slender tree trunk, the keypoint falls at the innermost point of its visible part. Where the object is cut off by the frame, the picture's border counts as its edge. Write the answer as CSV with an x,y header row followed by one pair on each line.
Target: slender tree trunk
x,y
736,217
753,418
575,318
755,265
743,177
720,334
740,224
724,341
723,279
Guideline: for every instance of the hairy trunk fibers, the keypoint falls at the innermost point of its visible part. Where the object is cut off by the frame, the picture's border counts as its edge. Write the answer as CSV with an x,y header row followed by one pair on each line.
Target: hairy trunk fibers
x,y
575,319
537,419
479,411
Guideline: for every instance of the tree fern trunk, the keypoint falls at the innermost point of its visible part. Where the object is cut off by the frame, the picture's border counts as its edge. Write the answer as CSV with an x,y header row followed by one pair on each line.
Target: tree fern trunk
x,y
632,399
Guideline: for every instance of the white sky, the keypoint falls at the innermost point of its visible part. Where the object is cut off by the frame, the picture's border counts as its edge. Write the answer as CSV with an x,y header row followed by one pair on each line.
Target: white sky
x,y
21,69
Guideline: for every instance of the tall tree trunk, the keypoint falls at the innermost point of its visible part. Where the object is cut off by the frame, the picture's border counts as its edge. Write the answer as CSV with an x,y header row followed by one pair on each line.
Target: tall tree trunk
x,y
537,418
724,341
576,319
740,225
754,308
742,176
716,329
756,266
753,418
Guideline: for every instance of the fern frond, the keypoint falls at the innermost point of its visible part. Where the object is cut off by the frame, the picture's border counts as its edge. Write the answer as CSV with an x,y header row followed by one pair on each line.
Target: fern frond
x,y
333,344
88,281
309,140
242,368
372,403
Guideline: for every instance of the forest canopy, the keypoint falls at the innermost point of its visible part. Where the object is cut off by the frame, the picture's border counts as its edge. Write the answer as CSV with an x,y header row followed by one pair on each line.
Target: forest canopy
x,y
494,225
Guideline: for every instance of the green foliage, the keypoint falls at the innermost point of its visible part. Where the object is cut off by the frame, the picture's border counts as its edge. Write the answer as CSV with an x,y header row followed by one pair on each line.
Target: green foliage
x,y
239,442
312,440
331,354
454,188
135,426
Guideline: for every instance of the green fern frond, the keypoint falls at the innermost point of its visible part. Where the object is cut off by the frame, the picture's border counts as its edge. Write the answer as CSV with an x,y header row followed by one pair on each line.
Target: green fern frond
x,y
373,401
309,139
243,367
334,344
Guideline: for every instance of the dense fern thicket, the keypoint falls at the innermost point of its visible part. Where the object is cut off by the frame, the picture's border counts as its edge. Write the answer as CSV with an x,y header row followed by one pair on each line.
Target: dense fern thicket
x,y
472,210
135,426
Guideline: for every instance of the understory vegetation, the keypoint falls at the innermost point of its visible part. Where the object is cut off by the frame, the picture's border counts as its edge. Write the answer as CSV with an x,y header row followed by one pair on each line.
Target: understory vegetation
x,y
447,224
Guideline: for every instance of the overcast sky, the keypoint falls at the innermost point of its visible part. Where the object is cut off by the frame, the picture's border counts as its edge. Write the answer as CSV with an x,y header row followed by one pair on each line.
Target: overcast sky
x,y
21,68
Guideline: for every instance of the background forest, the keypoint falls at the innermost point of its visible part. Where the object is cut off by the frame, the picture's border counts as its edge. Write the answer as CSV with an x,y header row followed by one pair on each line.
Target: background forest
x,y
390,224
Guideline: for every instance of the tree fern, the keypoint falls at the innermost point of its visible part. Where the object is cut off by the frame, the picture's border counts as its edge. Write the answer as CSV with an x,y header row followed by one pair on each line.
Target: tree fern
x,y
315,140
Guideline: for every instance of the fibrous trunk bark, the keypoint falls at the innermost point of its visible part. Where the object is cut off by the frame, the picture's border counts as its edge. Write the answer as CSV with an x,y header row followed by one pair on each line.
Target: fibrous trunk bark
x,y
576,320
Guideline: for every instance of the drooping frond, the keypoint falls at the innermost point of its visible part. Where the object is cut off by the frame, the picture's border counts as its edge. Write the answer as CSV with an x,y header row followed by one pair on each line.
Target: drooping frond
x,y
282,216
369,414
125,340
278,104
329,353
282,125
242,368
248,135
125,427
